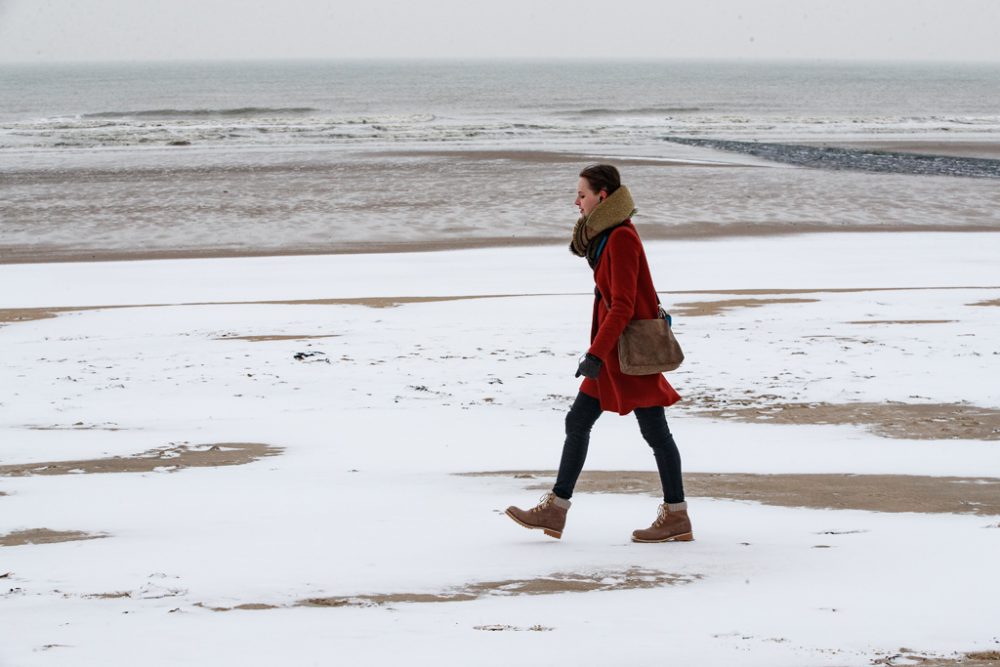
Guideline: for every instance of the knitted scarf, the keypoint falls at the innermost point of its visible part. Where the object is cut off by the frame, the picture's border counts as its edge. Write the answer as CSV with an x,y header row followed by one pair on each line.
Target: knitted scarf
x,y
613,211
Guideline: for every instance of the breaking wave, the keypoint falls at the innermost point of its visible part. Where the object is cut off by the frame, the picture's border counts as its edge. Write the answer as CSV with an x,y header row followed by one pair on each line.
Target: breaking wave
x,y
241,112
643,111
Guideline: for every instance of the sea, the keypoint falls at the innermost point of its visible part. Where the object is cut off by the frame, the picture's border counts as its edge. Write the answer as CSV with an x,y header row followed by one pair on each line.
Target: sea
x,y
520,103
121,156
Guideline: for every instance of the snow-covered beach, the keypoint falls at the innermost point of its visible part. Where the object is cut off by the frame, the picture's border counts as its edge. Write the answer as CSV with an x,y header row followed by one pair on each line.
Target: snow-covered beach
x,y
334,438
285,431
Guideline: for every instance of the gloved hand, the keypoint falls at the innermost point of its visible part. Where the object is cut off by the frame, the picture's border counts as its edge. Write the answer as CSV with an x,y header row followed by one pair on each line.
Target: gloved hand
x,y
590,366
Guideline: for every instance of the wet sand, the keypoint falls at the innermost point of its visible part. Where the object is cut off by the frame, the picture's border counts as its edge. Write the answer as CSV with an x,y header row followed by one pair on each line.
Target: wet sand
x,y
837,290
359,202
696,308
629,579
552,157
27,255
873,493
707,308
77,426
680,232
909,421
906,656
900,321
632,578
45,536
168,458
14,315
277,337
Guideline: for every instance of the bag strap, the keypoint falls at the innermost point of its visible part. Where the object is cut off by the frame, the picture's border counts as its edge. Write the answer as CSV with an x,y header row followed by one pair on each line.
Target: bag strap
x,y
600,247
597,291
663,313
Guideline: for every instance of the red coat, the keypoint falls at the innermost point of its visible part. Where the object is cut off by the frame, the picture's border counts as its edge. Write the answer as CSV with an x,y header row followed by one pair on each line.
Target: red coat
x,y
623,278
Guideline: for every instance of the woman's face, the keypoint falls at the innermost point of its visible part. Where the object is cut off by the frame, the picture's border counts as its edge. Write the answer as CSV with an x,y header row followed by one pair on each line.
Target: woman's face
x,y
586,198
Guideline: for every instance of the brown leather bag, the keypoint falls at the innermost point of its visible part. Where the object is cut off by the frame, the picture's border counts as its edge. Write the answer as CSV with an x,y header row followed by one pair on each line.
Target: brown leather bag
x,y
648,347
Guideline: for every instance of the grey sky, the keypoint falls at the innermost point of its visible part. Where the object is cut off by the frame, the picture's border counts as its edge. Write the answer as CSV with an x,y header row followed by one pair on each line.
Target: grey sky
x,y
87,30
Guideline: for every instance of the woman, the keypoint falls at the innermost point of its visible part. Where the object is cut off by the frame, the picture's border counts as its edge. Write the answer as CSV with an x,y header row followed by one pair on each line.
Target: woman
x,y
604,235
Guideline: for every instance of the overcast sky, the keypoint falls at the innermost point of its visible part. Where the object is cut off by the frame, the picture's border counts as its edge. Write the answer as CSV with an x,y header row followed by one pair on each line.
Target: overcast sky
x,y
94,30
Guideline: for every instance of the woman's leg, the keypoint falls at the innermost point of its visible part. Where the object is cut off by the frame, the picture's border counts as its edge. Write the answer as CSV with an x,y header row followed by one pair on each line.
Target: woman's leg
x,y
580,419
653,424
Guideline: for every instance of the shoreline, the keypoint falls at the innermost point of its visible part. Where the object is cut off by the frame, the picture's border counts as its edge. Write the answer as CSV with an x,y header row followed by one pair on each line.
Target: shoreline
x,y
20,255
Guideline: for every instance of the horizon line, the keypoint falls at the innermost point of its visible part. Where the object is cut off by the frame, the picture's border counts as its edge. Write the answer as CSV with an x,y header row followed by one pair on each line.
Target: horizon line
x,y
510,59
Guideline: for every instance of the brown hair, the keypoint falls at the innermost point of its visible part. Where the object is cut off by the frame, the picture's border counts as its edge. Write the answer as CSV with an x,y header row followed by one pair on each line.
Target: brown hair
x,y
602,177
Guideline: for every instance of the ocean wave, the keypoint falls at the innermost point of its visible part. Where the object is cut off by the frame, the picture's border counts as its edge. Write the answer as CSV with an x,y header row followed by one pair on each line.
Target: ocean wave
x,y
241,112
642,111
537,129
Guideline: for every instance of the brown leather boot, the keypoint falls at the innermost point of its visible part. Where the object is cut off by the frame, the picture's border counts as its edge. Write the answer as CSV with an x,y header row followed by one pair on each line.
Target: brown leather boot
x,y
549,515
672,525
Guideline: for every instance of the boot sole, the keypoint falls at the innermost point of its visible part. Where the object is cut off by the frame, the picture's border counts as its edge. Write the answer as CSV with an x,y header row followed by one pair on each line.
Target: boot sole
x,y
683,537
548,531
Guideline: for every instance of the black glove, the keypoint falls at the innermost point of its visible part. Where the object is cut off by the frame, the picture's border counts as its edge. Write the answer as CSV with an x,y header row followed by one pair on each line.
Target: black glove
x,y
590,366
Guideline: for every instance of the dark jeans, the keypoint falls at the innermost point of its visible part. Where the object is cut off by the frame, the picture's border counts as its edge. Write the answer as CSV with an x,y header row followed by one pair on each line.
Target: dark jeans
x,y
653,425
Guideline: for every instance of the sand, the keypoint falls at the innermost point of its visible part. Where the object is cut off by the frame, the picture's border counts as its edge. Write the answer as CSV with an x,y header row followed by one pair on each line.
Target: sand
x,y
14,315
833,290
168,458
631,578
249,606
901,321
873,493
45,536
679,232
276,337
694,308
45,255
116,595
906,656
78,426
288,205
706,308
549,157
912,421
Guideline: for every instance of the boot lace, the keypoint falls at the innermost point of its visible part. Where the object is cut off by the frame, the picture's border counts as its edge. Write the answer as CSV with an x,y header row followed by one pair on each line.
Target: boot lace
x,y
661,515
543,502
